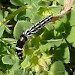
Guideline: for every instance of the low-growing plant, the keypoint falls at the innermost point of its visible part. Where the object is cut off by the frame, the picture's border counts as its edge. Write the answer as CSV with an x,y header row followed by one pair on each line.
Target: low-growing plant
x,y
50,51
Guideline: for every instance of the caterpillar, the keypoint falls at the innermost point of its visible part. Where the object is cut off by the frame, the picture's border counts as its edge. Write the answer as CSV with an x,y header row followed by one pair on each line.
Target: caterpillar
x,y
25,35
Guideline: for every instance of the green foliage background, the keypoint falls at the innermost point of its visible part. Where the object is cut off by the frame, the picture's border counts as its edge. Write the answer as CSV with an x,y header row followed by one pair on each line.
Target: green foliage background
x,y
51,51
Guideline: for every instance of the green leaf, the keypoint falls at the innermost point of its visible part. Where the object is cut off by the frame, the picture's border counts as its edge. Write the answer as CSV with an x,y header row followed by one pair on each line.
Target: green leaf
x,y
44,3
31,12
20,27
45,47
62,53
5,14
49,26
36,18
66,73
19,72
56,9
21,16
12,15
9,40
47,35
74,73
34,60
35,42
2,28
15,68
66,21
27,1
1,73
60,1
3,49
7,29
71,18
7,60
57,68
33,9
71,36
26,62
55,42
1,15
15,64
17,2
44,73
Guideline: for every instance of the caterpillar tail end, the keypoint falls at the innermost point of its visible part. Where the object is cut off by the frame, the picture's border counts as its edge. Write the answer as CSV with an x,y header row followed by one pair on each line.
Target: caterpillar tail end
x,y
19,53
19,46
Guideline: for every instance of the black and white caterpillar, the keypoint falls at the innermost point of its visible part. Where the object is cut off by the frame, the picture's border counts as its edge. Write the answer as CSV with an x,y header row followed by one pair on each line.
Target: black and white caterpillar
x,y
23,38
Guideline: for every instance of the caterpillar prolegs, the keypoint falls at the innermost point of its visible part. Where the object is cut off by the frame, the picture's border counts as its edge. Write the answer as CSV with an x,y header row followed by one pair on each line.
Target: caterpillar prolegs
x,y
32,30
